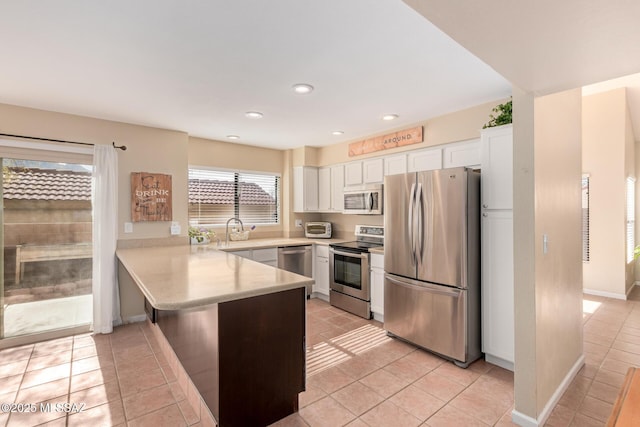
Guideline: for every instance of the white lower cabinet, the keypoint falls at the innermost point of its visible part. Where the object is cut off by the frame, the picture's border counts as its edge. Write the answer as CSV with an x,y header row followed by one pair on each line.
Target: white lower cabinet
x,y
243,254
268,256
377,286
497,288
321,271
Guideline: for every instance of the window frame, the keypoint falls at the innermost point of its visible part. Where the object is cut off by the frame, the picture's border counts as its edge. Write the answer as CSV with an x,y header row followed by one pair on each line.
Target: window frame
x,y
237,206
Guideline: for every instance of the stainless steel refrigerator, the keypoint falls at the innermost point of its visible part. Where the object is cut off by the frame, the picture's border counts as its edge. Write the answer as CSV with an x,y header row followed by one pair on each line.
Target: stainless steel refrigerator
x,y
432,261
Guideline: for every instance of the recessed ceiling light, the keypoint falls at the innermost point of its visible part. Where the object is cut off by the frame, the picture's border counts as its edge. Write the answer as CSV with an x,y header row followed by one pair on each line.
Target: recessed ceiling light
x,y
233,137
389,117
337,132
302,88
254,114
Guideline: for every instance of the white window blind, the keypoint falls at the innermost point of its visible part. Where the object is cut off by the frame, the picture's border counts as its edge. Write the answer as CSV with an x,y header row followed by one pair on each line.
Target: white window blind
x,y
631,215
217,195
585,218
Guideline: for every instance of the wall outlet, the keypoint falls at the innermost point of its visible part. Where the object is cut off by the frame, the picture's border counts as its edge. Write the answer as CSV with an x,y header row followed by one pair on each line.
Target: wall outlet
x,y
175,228
299,223
128,227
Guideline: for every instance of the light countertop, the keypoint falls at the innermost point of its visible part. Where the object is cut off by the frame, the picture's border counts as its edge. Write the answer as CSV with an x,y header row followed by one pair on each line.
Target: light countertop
x,y
274,242
181,277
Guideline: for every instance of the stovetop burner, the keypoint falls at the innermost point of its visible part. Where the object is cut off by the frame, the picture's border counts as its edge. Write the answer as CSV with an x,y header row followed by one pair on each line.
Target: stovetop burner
x,y
358,245
369,236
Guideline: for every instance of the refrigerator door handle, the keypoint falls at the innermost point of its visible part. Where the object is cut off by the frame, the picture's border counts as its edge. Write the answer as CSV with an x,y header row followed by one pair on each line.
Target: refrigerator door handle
x,y
420,239
410,230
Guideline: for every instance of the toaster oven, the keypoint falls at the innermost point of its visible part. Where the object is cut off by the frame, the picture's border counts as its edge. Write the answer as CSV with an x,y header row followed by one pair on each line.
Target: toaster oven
x,y
317,230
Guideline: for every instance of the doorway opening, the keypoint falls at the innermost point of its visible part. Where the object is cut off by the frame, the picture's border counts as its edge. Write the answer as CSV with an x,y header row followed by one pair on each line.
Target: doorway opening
x,y
46,284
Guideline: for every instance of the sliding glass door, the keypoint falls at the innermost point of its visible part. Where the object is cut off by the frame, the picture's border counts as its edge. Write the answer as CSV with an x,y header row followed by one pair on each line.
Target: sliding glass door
x,y
47,245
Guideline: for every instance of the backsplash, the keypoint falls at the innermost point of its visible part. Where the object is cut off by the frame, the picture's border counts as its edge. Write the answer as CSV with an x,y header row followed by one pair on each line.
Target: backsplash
x,y
344,225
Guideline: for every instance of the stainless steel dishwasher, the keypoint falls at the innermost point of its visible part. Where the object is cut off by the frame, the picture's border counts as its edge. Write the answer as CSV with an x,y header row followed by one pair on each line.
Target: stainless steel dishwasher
x,y
297,259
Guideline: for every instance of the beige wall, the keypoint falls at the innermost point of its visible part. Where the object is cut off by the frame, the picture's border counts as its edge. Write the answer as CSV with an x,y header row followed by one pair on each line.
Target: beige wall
x,y
548,287
605,159
458,126
148,150
225,155
630,171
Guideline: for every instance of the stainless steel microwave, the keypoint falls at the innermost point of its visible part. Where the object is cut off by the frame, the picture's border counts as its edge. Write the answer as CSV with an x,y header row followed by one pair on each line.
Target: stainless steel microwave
x,y
318,230
366,200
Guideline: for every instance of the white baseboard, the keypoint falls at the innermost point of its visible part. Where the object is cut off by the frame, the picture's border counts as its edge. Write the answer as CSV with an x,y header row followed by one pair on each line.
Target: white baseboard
x,y
597,293
135,319
499,362
377,316
320,295
526,421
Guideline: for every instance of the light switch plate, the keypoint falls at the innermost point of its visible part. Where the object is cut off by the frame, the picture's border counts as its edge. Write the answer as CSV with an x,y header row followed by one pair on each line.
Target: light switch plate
x,y
175,228
299,223
128,227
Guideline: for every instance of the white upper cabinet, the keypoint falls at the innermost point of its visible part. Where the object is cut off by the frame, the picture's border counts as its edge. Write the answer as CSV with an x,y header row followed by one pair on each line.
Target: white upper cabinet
x,y
373,171
337,188
305,189
462,154
424,160
353,174
324,189
394,165
497,167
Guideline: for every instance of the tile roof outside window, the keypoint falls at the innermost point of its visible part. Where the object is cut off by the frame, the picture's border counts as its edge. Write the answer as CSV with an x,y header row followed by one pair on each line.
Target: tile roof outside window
x,y
21,183
222,192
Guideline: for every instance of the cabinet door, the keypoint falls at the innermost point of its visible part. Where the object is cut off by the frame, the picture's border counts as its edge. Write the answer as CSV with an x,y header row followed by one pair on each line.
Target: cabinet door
x,y
298,189
497,167
377,286
322,276
243,254
497,285
324,189
373,171
462,154
424,160
394,165
266,255
337,188
310,189
353,173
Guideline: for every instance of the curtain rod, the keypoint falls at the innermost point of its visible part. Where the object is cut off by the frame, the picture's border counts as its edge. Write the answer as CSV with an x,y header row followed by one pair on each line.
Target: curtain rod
x,y
120,147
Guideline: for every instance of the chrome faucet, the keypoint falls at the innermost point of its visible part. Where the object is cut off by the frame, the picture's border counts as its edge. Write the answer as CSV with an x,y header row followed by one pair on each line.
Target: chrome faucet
x,y
227,229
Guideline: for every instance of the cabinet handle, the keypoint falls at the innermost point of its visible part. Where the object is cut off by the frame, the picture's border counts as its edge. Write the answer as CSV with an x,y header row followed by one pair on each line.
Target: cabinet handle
x,y
485,206
484,214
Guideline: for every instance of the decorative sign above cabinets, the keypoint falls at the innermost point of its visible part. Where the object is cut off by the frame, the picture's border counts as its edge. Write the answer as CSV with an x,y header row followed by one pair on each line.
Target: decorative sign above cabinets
x,y
150,197
385,142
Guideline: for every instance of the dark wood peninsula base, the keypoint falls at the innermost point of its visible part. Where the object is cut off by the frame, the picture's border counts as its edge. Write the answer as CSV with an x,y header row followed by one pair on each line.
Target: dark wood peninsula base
x,y
245,357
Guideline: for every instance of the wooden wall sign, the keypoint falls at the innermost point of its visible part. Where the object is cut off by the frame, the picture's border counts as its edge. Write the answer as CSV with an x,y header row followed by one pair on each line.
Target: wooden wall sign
x,y
385,142
150,197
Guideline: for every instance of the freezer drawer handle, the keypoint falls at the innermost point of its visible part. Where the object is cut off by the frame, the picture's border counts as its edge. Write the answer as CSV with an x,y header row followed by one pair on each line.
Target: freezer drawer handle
x,y
433,288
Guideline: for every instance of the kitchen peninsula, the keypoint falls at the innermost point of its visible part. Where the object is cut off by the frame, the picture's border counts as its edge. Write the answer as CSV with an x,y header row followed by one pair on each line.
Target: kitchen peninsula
x,y
237,327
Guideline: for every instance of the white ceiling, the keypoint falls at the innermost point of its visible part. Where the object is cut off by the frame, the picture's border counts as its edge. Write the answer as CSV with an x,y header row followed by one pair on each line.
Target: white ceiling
x,y
546,46
198,66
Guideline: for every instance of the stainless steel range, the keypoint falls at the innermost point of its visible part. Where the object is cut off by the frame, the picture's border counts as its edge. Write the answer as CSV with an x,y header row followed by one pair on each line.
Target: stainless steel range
x,y
349,267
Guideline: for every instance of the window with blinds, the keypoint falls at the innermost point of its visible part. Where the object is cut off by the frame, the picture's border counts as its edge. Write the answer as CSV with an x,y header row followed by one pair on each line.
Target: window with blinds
x,y
217,195
585,218
631,215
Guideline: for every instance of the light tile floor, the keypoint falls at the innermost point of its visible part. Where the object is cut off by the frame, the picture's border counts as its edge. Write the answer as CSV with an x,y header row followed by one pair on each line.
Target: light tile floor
x,y
357,377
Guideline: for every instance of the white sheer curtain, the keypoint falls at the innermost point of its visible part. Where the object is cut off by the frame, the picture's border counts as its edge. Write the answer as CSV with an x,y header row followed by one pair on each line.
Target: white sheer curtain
x,y
106,298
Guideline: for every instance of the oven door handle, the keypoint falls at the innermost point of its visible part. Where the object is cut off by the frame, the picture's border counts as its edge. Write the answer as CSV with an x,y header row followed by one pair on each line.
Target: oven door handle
x,y
363,255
